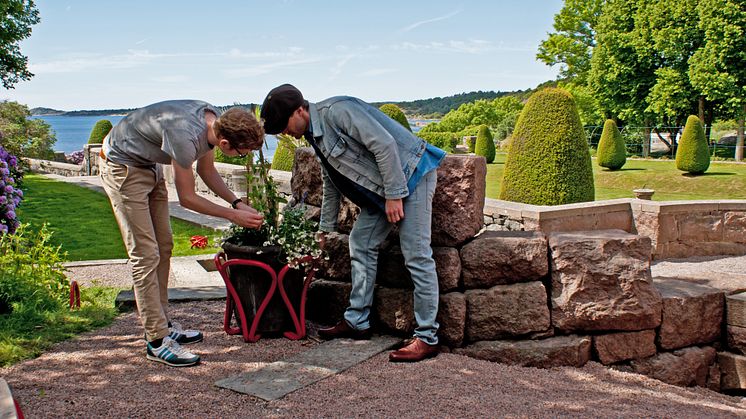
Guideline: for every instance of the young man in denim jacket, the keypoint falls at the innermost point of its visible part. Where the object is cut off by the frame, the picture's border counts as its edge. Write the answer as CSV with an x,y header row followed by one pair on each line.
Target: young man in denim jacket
x,y
390,174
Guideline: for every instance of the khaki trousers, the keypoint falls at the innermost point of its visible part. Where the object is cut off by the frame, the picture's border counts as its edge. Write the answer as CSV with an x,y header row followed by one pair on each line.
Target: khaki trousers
x,y
139,199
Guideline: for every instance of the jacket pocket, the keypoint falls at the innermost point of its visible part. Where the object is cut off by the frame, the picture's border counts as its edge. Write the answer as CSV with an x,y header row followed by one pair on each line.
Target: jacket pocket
x,y
339,147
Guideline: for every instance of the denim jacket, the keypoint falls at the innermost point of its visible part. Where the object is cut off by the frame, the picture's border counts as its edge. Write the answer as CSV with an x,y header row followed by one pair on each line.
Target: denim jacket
x,y
364,145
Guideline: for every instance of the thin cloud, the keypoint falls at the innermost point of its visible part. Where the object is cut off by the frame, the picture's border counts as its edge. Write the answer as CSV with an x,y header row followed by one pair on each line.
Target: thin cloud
x,y
425,22
256,70
373,72
472,46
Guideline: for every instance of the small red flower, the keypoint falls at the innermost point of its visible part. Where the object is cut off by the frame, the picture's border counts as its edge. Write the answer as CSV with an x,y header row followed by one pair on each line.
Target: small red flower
x,y
198,241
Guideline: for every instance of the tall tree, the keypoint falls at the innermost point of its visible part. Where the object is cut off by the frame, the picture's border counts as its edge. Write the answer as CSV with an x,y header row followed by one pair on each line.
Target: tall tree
x,y
718,69
571,46
16,19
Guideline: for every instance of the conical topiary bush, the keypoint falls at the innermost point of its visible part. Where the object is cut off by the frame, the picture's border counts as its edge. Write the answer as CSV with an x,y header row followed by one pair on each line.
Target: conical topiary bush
x,y
693,155
283,158
612,153
548,161
99,131
485,145
395,113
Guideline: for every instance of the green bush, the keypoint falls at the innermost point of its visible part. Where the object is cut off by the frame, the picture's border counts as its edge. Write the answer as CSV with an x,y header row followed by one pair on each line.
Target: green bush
x,y
485,145
31,271
395,113
283,157
548,161
23,136
222,158
693,155
99,131
444,140
612,153
471,142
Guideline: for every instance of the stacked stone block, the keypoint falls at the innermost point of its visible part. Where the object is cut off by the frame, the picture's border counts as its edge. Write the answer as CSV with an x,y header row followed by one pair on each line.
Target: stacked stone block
x,y
532,299
733,360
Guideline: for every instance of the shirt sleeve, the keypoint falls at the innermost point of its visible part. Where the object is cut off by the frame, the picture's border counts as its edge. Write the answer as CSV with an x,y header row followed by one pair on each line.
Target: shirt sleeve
x,y
181,146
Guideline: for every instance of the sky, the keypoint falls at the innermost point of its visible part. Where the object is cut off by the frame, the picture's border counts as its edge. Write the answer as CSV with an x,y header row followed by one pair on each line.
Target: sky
x,y
116,54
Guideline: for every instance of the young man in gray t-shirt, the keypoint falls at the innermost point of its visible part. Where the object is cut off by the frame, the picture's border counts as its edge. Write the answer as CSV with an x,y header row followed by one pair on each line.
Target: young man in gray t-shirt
x,y
176,132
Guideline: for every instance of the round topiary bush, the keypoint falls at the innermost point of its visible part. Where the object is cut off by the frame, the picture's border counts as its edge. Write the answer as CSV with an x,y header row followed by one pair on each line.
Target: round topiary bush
x,y
99,131
693,155
485,145
548,160
395,113
283,157
612,153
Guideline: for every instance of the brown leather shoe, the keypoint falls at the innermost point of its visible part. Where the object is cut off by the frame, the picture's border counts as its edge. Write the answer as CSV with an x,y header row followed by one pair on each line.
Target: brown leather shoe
x,y
414,352
343,330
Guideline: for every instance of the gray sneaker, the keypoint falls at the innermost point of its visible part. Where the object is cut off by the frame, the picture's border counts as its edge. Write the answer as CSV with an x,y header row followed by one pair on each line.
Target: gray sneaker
x,y
184,337
171,353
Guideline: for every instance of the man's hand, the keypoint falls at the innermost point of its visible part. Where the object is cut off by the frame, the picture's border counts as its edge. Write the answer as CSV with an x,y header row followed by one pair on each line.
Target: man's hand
x,y
394,210
248,217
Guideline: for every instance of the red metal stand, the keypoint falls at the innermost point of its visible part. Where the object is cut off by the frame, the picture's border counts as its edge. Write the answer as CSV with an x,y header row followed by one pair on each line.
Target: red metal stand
x,y
232,300
74,295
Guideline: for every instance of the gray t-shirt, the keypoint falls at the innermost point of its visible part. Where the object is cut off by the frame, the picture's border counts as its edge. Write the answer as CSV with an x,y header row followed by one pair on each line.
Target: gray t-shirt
x,y
158,133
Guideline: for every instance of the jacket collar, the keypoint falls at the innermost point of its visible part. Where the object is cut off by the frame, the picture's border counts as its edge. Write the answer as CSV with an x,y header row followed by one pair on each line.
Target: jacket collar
x,y
316,128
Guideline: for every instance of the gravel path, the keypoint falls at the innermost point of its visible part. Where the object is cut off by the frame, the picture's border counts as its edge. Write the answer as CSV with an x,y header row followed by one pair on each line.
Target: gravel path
x,y
104,373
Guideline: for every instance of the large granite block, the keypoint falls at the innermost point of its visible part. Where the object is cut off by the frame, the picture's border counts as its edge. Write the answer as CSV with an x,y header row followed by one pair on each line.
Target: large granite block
x,y
684,367
558,351
601,281
622,346
692,314
506,310
327,301
504,257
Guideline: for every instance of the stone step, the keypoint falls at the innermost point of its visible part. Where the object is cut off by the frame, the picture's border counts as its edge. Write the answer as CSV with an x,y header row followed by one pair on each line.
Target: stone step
x,y
277,379
735,308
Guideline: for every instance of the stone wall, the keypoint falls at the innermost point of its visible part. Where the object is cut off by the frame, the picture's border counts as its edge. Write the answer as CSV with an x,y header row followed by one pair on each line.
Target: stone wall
x,y
535,298
678,229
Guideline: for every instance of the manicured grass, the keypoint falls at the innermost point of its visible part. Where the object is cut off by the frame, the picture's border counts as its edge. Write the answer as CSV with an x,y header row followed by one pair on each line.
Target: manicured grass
x,y
721,181
26,332
83,222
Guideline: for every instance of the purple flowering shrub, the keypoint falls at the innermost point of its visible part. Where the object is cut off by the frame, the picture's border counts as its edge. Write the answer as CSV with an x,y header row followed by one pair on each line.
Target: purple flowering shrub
x,y
10,191
76,157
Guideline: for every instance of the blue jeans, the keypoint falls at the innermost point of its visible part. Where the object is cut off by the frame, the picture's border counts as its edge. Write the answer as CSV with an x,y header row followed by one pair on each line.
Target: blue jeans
x,y
369,231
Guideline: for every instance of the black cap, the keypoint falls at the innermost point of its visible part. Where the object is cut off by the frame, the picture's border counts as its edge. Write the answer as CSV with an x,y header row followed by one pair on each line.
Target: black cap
x,y
279,104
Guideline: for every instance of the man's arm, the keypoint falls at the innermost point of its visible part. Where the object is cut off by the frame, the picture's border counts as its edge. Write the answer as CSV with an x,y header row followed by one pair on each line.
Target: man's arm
x,y
244,215
358,124
329,204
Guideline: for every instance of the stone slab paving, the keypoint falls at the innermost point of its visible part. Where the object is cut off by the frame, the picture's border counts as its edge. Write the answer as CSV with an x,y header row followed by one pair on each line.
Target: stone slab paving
x,y
7,407
126,299
277,379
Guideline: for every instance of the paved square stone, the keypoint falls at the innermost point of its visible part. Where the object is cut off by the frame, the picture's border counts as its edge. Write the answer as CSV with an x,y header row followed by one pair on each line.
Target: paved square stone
x,y
277,379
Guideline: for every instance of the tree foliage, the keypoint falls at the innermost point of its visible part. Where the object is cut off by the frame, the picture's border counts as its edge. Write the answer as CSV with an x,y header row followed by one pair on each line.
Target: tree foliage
x,y
571,46
16,19
548,161
485,145
395,113
693,155
499,114
99,131
612,153
22,136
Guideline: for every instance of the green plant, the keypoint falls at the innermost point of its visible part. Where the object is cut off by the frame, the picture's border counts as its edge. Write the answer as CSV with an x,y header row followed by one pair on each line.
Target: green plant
x,y
693,155
548,161
294,233
31,271
443,140
24,136
612,153
395,113
485,145
99,131
285,152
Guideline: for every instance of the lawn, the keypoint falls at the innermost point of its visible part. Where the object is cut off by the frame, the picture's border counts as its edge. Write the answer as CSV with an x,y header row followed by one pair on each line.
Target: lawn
x,y
721,181
83,222
27,332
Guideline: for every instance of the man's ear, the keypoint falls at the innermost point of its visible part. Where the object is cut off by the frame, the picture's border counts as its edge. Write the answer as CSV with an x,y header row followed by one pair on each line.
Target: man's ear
x,y
223,143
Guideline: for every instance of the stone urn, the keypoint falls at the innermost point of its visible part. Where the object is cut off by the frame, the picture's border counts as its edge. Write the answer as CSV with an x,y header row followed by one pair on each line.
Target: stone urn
x,y
644,193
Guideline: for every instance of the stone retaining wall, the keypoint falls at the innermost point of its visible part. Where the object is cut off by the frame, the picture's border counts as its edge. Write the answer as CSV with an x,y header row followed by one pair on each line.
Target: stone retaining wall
x,y
535,298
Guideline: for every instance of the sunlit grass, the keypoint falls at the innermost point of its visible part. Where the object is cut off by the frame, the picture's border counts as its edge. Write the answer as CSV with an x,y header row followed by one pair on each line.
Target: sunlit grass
x,y
83,222
721,181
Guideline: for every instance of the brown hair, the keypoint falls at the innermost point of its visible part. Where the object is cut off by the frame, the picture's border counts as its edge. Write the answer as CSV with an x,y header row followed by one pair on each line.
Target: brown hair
x,y
240,128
